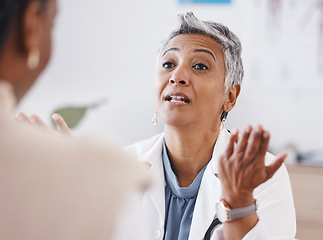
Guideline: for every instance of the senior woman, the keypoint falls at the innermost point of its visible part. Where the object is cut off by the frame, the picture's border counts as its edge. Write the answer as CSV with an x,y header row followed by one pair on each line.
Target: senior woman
x,y
209,181
54,187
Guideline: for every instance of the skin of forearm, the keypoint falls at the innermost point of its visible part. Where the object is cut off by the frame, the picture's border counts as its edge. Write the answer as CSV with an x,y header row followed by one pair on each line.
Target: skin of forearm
x,y
237,229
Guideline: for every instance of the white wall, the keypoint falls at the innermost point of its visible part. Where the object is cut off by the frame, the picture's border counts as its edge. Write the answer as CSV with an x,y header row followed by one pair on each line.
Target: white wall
x,y
107,49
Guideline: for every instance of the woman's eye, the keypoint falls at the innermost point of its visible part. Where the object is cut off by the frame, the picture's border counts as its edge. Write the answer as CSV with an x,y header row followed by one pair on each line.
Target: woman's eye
x,y
200,66
168,65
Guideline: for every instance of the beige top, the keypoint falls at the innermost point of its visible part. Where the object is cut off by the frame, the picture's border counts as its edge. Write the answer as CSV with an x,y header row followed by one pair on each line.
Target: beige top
x,y
55,187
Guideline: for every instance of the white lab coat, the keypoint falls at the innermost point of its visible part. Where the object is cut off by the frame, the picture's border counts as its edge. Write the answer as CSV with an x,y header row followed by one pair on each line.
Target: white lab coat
x,y
276,207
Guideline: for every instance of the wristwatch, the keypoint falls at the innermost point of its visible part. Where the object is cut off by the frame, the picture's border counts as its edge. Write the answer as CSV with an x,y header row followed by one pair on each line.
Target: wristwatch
x,y
226,214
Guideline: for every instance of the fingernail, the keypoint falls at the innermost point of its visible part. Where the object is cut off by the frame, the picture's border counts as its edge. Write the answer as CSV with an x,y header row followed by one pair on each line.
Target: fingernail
x,y
18,116
284,154
234,131
259,128
32,118
266,134
247,129
54,116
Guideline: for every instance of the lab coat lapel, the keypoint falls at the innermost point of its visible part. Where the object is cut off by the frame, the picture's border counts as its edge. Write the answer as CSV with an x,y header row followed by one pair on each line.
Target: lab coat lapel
x,y
209,192
157,191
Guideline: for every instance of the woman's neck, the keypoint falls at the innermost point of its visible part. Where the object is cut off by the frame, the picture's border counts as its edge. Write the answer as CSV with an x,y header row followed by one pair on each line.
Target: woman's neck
x,y
189,151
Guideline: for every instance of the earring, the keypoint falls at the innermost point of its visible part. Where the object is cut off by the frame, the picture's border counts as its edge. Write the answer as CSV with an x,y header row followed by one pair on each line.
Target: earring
x,y
222,123
154,120
33,58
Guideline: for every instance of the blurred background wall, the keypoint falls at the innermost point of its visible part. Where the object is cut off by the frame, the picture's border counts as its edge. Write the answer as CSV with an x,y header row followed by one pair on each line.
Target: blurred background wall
x,y
106,50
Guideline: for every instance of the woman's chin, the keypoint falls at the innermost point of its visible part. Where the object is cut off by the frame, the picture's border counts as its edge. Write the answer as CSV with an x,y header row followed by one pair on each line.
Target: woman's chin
x,y
176,122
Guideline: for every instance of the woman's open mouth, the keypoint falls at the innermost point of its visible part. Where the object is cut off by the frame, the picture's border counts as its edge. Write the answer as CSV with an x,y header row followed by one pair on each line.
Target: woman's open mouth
x,y
177,98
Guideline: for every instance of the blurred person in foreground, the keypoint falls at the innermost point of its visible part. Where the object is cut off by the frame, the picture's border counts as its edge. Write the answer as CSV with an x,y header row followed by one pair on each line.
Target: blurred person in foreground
x,y
210,183
52,186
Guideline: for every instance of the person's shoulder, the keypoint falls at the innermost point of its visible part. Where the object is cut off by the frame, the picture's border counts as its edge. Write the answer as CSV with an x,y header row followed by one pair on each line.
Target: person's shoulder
x,y
91,154
92,150
82,180
143,146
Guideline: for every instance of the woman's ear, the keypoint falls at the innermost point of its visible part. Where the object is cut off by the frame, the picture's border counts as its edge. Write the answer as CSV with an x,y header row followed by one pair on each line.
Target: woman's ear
x,y
31,26
232,95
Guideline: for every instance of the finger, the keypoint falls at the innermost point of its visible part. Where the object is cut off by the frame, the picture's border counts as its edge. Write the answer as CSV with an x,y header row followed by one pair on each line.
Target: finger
x,y
272,168
264,144
61,124
233,138
243,141
253,144
22,118
37,121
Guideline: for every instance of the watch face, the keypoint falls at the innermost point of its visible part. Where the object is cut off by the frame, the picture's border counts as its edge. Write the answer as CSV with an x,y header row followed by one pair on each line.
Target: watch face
x,y
221,212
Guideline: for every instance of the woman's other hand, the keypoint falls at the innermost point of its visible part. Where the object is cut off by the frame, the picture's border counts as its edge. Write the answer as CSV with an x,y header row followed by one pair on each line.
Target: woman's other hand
x,y
36,121
242,166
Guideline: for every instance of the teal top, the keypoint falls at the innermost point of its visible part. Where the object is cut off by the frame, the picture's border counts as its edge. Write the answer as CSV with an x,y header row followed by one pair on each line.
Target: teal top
x,y
179,202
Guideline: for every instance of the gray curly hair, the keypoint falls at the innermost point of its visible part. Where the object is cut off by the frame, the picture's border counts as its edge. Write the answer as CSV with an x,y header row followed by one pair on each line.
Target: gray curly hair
x,y
230,43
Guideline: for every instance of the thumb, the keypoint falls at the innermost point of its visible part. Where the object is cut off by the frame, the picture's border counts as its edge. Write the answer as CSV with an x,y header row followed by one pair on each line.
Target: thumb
x,y
273,167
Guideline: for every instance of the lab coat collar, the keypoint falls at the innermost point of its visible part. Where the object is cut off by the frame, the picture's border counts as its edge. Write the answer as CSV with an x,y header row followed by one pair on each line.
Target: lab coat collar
x,y
220,145
209,192
154,158
150,156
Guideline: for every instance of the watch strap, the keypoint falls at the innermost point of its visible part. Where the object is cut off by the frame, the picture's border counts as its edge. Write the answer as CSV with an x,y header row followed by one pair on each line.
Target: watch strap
x,y
243,212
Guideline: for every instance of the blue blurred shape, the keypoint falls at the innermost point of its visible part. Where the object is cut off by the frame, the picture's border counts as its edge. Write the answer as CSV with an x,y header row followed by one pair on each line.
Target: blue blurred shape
x,y
205,1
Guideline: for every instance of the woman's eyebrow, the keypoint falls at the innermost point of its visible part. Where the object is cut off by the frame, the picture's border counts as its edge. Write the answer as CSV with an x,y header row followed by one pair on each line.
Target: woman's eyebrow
x,y
170,49
206,51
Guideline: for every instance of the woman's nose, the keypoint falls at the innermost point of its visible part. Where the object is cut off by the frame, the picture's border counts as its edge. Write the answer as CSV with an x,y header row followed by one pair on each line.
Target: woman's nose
x,y
178,79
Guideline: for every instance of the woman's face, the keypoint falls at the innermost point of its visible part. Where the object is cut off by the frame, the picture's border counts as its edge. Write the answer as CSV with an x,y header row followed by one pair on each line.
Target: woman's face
x,y
189,88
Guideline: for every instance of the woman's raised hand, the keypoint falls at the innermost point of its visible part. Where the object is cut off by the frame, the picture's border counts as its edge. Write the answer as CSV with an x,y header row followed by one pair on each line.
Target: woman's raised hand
x,y
242,166
38,122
